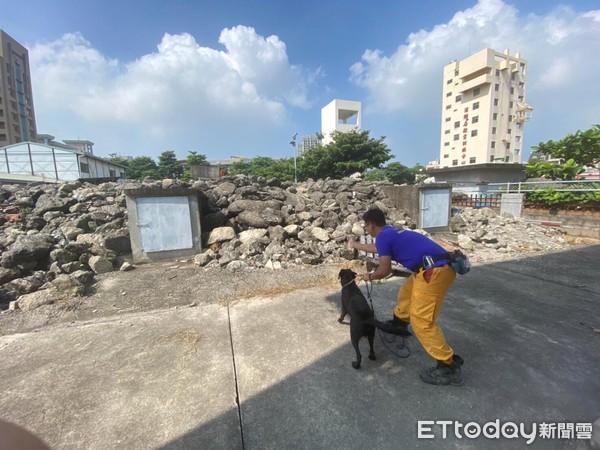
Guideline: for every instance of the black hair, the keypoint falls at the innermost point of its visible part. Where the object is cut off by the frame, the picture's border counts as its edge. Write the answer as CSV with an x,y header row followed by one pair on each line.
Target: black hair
x,y
375,216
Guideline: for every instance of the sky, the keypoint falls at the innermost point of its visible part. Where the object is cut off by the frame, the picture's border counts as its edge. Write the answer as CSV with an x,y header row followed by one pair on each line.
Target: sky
x,y
239,78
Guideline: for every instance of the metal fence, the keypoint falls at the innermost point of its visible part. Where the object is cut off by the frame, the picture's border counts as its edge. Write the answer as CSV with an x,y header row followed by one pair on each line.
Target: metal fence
x,y
477,200
531,186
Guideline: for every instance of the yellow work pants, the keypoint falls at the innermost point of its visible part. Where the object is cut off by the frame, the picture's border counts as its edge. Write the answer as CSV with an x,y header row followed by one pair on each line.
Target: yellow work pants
x,y
420,303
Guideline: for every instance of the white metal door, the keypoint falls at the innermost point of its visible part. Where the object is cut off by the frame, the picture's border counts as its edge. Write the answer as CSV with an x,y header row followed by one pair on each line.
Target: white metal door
x,y
435,207
164,223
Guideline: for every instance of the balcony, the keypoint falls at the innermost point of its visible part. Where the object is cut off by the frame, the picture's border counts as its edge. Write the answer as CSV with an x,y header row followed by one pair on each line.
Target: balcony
x,y
478,81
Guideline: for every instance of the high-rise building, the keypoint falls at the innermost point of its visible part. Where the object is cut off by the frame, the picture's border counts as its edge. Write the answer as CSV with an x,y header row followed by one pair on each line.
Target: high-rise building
x,y
339,115
484,109
308,142
17,116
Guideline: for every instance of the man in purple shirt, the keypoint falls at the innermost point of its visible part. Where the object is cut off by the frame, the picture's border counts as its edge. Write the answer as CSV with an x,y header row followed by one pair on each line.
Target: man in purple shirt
x,y
421,297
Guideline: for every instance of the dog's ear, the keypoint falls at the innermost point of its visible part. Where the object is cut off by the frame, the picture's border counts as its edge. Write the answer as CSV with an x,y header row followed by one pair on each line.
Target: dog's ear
x,y
354,274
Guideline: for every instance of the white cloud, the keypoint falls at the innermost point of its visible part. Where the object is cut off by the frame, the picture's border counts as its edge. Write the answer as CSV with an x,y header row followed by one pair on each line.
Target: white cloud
x,y
561,47
179,87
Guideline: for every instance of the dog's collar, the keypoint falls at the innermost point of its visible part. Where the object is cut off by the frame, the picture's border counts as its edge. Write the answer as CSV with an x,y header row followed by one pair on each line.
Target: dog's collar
x,y
348,283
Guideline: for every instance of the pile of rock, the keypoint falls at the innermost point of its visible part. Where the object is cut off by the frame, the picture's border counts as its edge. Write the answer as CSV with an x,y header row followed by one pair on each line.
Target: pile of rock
x,y
267,223
483,229
72,231
54,238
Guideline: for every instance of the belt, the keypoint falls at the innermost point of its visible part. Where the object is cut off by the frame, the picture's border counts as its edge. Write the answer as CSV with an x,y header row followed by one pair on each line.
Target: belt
x,y
435,258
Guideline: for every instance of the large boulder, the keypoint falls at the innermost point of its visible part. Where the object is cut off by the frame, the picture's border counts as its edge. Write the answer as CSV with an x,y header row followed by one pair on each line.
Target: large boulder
x,y
27,249
49,202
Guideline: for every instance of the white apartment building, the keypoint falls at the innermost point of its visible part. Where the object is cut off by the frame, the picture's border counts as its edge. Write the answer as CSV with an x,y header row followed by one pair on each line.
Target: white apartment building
x,y
340,115
484,109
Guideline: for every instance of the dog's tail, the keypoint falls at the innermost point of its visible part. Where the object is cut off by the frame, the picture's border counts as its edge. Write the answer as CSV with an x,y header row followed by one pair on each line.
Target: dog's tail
x,y
388,328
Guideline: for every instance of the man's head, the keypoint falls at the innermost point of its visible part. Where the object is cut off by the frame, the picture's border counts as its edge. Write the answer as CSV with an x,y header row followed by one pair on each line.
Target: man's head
x,y
374,221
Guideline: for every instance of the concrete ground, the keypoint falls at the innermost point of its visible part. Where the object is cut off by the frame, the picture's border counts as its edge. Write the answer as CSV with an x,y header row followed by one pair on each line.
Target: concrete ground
x,y
172,379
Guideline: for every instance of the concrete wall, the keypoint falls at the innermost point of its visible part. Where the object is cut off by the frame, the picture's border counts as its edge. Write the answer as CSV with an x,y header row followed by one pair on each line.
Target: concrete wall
x,y
210,172
406,198
490,173
574,223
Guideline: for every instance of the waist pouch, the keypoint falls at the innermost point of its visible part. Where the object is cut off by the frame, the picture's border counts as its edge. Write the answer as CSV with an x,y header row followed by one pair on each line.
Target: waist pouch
x,y
459,262
457,259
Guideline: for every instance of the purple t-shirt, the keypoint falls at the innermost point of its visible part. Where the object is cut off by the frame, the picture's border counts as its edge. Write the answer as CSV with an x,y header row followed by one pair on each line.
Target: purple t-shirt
x,y
407,247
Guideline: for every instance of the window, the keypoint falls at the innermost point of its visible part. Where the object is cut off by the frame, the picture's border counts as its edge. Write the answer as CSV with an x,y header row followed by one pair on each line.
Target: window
x,y
517,138
446,144
495,116
493,130
509,131
510,118
497,72
512,90
476,91
448,94
508,146
457,124
475,119
449,81
510,105
112,173
472,160
473,133
2,125
458,98
448,106
496,87
446,155
456,137
456,73
447,132
491,158
476,105
2,137
85,168
495,102
455,162
493,144
448,119
512,77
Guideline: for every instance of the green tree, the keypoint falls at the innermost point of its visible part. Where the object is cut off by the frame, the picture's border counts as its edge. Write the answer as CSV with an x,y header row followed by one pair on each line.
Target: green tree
x,y
263,166
399,174
118,159
141,167
374,175
555,171
193,159
583,147
349,152
168,166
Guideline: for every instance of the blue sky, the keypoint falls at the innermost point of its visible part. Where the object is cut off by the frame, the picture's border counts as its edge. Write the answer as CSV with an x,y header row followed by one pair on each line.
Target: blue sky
x,y
241,77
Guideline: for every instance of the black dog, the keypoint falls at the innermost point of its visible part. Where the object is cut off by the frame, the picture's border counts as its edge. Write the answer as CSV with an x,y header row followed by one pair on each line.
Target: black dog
x,y
355,304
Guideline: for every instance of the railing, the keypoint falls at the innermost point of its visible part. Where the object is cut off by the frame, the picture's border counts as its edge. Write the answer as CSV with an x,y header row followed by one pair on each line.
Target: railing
x,y
558,186
477,200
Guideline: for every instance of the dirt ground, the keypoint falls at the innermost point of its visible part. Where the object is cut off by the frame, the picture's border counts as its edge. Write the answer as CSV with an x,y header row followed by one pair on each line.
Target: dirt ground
x,y
181,284
166,285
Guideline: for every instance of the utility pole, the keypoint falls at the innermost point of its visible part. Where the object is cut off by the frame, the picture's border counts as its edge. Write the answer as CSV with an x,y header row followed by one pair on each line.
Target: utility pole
x,y
293,144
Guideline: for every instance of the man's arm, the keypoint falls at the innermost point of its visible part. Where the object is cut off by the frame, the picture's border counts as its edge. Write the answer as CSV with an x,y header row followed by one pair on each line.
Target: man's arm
x,y
369,248
382,271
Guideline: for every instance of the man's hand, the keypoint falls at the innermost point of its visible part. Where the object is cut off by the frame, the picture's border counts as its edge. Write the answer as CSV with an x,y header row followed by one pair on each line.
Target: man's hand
x,y
350,244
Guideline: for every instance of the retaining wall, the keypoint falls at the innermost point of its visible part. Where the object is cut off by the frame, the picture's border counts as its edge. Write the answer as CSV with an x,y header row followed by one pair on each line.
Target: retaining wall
x,y
574,223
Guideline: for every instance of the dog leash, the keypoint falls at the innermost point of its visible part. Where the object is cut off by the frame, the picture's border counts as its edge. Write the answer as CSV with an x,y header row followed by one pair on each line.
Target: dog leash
x,y
400,346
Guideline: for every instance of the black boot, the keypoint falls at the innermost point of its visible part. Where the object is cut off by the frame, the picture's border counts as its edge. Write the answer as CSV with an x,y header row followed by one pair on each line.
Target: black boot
x,y
444,374
398,327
